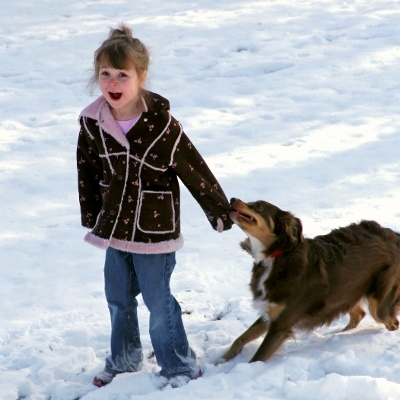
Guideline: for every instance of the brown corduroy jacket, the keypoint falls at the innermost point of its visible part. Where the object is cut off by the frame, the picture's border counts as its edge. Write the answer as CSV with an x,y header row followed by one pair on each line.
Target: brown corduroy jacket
x,y
128,186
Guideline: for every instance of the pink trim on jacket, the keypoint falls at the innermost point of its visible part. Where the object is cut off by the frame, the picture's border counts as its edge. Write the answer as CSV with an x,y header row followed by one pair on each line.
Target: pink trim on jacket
x,y
134,247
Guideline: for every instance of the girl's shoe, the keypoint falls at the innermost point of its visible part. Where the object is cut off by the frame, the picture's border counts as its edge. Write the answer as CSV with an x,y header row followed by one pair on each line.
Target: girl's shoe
x,y
103,378
177,381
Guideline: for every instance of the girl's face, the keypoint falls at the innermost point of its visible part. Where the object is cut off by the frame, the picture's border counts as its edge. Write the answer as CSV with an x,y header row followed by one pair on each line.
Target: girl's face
x,y
121,87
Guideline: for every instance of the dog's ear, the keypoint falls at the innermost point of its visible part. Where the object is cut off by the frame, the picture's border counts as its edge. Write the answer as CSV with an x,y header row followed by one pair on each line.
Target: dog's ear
x,y
295,230
291,227
246,245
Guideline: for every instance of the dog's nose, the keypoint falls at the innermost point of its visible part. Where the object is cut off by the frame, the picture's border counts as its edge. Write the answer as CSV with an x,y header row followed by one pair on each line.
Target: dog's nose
x,y
233,199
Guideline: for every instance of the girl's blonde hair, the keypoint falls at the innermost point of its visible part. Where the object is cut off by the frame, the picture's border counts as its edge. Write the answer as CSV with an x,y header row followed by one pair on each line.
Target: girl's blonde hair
x,y
120,51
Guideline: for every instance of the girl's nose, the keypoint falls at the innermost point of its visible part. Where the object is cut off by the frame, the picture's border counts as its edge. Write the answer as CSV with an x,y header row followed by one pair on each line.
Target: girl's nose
x,y
112,82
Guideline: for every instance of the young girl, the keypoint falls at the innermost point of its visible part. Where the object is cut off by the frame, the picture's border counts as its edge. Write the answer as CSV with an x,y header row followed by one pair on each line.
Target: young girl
x,y
130,153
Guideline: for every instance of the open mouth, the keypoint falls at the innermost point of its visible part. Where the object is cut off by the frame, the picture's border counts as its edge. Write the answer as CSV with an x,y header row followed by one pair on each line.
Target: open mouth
x,y
115,96
238,215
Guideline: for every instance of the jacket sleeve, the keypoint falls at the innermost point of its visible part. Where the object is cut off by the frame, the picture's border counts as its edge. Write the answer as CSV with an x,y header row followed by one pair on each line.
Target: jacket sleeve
x,y
201,183
89,175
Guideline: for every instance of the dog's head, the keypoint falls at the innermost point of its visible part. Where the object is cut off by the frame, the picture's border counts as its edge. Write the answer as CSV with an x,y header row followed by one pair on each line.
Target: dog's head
x,y
268,228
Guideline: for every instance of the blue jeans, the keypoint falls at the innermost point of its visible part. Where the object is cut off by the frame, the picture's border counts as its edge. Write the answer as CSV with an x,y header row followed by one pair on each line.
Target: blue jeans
x,y
127,275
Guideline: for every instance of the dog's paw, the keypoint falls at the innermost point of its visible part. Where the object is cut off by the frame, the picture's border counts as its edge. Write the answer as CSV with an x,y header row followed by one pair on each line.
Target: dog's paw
x,y
220,361
392,325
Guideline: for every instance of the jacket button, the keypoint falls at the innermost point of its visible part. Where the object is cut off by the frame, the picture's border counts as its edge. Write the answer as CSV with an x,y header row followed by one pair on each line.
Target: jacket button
x,y
113,212
120,177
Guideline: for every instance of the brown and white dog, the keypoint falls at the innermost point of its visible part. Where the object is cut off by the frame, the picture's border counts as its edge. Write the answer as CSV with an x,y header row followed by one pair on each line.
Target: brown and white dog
x,y
306,283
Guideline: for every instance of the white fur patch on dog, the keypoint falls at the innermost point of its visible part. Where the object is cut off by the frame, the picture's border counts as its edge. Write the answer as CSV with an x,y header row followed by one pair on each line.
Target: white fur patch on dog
x,y
257,249
261,303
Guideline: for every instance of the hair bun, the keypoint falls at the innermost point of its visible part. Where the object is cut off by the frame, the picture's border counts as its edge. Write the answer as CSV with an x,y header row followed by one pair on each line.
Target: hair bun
x,y
122,30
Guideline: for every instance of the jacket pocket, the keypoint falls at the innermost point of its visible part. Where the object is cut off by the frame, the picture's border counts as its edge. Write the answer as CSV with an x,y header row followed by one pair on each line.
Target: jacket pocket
x,y
156,212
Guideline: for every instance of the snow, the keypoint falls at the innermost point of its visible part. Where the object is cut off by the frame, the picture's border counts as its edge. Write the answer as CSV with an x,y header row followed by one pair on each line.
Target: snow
x,y
292,101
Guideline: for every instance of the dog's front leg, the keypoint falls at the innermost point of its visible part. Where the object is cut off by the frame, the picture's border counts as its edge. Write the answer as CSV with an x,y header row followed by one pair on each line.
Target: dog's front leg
x,y
275,337
255,331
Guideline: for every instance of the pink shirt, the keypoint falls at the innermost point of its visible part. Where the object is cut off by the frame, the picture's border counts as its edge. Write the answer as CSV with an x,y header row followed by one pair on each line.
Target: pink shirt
x,y
127,125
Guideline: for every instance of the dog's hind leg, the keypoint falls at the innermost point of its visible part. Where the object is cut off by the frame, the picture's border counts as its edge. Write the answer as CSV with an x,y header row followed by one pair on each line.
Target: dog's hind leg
x,y
356,314
384,297
384,312
255,331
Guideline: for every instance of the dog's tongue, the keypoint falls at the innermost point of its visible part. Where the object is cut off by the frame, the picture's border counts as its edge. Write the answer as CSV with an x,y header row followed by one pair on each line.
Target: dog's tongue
x,y
115,96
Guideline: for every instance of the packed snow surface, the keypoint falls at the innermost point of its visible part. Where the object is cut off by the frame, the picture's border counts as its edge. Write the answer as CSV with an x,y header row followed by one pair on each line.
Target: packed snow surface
x,y
292,101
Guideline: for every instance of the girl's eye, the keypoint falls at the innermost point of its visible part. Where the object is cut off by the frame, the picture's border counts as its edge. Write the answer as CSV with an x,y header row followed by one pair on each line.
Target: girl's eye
x,y
104,73
123,75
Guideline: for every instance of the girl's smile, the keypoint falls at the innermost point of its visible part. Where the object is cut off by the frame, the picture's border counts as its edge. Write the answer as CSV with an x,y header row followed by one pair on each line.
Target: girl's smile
x,y
121,88
116,95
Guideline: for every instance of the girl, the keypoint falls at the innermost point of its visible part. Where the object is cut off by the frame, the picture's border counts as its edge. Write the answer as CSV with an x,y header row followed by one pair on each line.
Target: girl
x,y
130,153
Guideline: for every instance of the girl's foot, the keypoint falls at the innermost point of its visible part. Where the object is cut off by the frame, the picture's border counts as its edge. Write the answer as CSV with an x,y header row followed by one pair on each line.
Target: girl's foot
x,y
103,378
175,381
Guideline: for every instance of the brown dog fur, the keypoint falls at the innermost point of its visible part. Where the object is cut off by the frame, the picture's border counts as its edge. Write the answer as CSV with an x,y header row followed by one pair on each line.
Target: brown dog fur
x,y
306,283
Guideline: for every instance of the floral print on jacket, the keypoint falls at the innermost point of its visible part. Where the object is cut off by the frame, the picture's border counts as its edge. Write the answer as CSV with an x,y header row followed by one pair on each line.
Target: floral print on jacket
x,y
128,184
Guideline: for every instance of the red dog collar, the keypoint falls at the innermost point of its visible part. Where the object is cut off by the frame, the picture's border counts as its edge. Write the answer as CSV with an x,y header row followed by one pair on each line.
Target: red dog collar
x,y
276,253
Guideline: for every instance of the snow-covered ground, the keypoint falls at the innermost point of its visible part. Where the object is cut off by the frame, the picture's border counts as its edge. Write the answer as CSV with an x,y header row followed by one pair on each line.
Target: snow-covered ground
x,y
291,101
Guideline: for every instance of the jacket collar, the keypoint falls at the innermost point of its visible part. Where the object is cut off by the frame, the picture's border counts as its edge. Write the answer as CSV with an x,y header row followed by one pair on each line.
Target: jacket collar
x,y
100,111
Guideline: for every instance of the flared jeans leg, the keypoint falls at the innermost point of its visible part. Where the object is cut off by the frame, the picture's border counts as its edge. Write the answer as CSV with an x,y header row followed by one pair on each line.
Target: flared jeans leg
x,y
167,332
121,289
